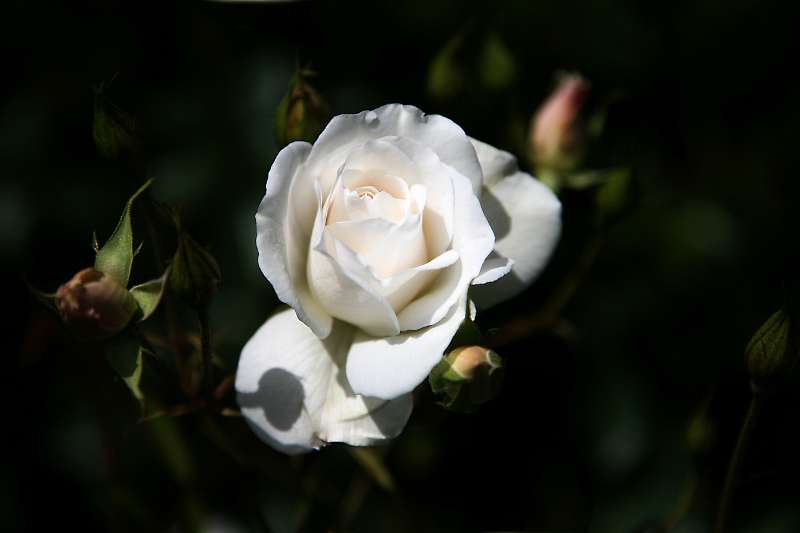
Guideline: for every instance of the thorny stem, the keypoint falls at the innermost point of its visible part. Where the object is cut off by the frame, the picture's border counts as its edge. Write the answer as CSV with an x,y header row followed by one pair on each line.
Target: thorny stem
x,y
205,348
548,315
175,339
742,443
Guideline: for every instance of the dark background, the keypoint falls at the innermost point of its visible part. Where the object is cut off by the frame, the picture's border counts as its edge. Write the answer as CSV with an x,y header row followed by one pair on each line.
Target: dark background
x,y
611,431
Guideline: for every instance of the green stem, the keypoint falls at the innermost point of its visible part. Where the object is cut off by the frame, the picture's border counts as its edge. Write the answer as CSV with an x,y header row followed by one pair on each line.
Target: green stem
x,y
205,348
742,443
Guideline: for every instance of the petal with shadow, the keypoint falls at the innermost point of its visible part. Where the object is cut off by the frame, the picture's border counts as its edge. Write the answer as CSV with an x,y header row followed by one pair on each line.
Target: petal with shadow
x,y
293,392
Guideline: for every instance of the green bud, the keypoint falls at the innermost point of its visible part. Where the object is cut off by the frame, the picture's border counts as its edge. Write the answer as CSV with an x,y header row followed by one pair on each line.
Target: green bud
x,y
471,63
113,130
195,274
301,113
772,353
94,305
446,74
468,377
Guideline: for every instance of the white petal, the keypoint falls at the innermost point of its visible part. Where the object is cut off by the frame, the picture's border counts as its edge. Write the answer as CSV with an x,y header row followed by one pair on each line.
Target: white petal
x,y
345,132
526,218
495,164
392,366
473,240
292,391
283,230
494,268
348,289
380,155
387,248
404,286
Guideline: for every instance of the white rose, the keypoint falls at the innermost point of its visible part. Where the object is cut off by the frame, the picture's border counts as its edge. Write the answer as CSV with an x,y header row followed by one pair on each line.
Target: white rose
x,y
373,236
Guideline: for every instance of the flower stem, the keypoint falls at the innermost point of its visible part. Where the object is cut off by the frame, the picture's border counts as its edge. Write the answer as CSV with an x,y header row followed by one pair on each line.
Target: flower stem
x,y
548,315
205,348
742,443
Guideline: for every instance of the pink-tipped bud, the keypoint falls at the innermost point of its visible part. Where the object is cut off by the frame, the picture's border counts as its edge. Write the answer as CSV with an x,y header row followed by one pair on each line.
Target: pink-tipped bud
x,y
468,377
556,137
466,361
94,305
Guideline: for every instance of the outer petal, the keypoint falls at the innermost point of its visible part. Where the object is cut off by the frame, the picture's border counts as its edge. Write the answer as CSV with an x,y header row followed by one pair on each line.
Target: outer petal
x,y
284,227
390,367
526,218
345,132
293,393
473,240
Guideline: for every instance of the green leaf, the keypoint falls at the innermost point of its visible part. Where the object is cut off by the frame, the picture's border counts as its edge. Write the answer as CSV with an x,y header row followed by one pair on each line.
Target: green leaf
x,y
116,256
135,365
148,295
127,362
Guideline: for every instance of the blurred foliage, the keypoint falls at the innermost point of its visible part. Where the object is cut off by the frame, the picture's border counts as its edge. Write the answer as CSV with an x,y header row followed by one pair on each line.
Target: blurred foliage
x,y
621,419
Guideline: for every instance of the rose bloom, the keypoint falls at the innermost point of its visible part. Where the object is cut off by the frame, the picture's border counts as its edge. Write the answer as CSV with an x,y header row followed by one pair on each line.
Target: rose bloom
x,y
373,236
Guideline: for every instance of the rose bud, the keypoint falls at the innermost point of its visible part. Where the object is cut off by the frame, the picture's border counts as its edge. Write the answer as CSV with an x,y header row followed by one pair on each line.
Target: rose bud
x,y
556,138
772,354
301,113
468,377
195,273
94,305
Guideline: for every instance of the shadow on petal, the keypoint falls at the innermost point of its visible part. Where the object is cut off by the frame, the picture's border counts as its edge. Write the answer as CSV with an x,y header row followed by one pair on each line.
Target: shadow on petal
x,y
496,214
280,395
374,419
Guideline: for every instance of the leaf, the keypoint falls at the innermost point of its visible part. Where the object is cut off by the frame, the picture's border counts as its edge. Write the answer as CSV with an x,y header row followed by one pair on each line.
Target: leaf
x,y
373,465
47,299
135,365
148,295
116,256
126,359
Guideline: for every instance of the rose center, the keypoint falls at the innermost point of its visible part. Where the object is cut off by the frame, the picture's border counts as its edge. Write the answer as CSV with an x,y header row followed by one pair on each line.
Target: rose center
x,y
367,192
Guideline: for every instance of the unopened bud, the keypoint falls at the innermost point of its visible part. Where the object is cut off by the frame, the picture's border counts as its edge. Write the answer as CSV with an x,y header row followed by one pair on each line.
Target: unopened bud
x,y
94,305
195,274
468,377
556,136
301,113
772,354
